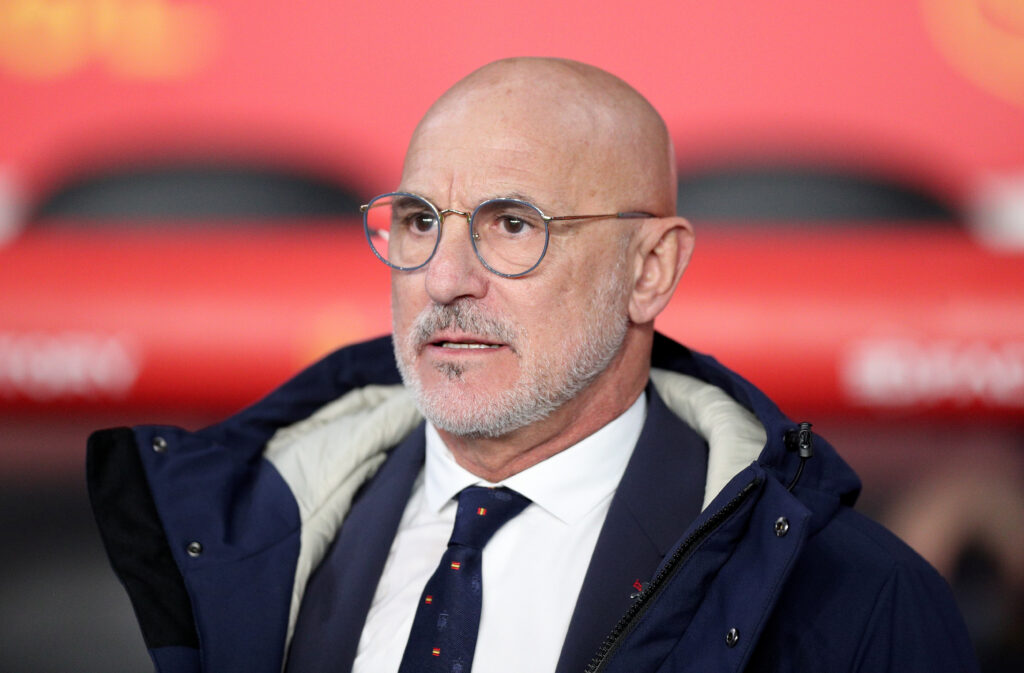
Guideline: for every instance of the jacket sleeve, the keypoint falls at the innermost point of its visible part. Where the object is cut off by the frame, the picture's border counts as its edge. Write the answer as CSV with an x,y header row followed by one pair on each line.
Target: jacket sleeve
x,y
915,626
139,552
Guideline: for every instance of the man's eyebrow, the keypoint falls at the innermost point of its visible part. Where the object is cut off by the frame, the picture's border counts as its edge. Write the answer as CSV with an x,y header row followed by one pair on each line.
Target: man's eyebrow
x,y
409,201
520,196
516,195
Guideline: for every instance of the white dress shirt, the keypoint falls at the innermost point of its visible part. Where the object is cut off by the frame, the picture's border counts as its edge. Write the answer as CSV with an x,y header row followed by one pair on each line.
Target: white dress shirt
x,y
534,565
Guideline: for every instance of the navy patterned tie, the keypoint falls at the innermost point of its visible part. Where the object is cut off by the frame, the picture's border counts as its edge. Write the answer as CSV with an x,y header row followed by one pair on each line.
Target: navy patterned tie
x,y
443,636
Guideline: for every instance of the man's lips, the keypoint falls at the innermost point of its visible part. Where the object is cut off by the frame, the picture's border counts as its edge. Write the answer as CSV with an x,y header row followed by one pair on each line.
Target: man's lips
x,y
463,342
457,345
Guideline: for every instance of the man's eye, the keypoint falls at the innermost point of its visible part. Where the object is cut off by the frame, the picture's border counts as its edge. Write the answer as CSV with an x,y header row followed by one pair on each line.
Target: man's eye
x,y
422,222
513,225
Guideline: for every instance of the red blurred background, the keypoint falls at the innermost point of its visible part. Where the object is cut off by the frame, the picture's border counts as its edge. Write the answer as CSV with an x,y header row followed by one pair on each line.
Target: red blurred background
x,y
179,183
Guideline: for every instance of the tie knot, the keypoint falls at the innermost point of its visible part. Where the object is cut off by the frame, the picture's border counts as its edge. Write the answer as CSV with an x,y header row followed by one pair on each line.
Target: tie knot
x,y
482,511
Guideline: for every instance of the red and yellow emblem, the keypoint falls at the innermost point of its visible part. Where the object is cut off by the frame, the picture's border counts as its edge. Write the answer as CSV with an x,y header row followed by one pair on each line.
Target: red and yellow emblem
x,y
482,511
983,40
436,651
428,600
455,565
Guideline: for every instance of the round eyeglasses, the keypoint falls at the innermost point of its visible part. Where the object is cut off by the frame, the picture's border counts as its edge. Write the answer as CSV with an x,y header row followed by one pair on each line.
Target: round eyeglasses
x,y
509,236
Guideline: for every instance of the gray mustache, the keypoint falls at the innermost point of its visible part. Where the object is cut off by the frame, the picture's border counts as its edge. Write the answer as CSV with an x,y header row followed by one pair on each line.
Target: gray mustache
x,y
463,316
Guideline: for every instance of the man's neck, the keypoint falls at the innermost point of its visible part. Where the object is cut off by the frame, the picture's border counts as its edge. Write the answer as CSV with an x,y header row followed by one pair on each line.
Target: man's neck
x,y
604,400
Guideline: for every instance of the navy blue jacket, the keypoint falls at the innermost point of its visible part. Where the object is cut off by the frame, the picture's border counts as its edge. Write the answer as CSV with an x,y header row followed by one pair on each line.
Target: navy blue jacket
x,y
215,535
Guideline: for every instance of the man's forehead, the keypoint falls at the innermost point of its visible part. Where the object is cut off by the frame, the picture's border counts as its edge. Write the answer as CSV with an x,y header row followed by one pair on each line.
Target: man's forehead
x,y
465,177
496,150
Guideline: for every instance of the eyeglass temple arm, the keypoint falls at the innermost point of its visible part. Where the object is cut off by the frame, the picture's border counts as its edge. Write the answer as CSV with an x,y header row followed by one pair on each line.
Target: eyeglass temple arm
x,y
632,215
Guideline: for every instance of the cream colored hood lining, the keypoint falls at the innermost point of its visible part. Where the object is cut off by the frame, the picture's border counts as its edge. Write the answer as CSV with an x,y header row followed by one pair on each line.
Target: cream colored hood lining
x,y
325,458
734,435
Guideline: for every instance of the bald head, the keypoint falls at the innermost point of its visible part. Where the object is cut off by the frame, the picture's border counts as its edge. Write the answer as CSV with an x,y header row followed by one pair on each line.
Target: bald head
x,y
597,132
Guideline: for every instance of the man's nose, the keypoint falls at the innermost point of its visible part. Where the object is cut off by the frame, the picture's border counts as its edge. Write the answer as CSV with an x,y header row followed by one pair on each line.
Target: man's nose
x,y
454,271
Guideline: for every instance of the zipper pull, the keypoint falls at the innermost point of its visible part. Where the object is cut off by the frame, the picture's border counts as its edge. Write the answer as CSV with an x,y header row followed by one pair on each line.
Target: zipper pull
x,y
802,441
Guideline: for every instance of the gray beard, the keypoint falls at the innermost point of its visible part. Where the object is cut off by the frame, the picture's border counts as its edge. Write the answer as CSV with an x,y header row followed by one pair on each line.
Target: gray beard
x,y
547,381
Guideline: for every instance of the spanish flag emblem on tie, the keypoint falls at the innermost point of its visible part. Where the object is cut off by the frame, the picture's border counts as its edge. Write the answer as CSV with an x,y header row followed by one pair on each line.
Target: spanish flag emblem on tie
x,y
436,651
456,565
482,511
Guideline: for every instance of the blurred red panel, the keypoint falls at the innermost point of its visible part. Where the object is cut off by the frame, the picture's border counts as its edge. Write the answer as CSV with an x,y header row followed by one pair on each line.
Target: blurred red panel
x,y
926,90
826,321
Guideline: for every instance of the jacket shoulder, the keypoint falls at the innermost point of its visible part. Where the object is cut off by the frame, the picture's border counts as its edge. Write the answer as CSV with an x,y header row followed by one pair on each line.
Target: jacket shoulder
x,y
860,599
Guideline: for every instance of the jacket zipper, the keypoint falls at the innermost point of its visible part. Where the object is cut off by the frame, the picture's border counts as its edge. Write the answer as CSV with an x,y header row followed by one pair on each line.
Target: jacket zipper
x,y
646,598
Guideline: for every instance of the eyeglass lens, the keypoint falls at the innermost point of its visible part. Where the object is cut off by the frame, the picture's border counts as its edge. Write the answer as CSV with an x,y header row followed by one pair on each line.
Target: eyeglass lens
x,y
509,236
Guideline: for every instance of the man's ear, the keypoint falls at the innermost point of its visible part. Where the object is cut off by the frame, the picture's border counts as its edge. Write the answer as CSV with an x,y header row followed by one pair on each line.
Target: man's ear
x,y
663,251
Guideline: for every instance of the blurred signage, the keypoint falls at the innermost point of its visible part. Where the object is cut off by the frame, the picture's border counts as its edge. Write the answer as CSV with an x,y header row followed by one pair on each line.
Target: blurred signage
x,y
46,367
135,39
920,373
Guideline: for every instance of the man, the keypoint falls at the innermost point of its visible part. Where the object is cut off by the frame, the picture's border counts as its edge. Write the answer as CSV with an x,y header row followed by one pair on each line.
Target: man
x,y
668,518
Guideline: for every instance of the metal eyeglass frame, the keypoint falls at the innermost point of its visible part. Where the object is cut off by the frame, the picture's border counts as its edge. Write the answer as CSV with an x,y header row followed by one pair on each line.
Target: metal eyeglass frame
x,y
473,236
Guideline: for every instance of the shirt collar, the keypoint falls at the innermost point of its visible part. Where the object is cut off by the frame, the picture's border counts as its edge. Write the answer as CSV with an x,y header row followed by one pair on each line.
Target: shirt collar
x,y
568,484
